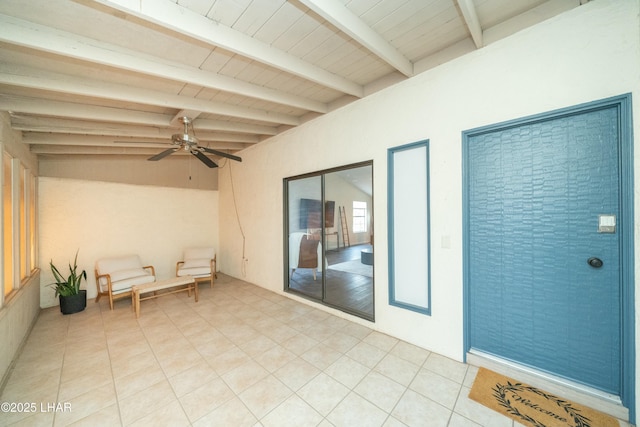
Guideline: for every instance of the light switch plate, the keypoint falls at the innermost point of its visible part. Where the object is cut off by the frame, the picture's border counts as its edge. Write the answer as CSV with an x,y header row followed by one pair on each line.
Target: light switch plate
x,y
606,223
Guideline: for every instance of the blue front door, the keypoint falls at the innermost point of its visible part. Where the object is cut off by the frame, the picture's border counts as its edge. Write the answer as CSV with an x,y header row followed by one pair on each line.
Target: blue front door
x,y
543,267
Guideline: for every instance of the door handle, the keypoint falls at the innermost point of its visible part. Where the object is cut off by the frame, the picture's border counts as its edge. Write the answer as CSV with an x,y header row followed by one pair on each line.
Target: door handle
x,y
595,262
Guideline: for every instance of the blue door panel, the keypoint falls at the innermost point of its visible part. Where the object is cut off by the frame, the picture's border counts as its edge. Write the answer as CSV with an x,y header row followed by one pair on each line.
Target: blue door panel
x,y
535,193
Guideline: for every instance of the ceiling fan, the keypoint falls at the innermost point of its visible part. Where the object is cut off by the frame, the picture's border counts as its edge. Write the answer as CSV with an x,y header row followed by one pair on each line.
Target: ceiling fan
x,y
189,143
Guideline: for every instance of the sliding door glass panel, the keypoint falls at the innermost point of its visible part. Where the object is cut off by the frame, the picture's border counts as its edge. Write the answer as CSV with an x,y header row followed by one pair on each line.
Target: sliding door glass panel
x,y
348,240
304,231
329,237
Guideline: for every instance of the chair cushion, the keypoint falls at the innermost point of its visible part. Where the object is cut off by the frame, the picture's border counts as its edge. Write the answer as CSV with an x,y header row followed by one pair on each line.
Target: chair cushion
x,y
126,284
118,276
195,271
197,263
125,272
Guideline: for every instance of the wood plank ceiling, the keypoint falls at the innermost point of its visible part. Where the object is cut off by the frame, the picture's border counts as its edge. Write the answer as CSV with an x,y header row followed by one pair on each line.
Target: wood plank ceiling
x,y
89,77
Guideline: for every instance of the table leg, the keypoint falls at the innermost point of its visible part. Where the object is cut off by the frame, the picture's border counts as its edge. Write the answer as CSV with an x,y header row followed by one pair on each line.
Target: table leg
x,y
195,290
137,296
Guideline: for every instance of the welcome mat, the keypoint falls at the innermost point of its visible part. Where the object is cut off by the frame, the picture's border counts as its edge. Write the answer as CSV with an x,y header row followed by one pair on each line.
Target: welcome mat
x,y
531,406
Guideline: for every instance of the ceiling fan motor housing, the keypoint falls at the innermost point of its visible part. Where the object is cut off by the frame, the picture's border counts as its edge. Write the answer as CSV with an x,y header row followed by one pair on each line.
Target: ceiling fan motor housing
x,y
184,138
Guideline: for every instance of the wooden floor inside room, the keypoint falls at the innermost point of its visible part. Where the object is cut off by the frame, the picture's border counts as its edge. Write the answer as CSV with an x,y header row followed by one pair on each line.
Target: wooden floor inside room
x,y
349,291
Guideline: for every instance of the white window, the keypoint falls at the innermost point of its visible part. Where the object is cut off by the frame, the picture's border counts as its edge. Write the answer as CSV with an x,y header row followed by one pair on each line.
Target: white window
x,y
359,217
7,225
18,217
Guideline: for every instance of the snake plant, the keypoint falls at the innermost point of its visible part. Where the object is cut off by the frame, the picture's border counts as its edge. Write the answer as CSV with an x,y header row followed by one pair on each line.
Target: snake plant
x,y
70,285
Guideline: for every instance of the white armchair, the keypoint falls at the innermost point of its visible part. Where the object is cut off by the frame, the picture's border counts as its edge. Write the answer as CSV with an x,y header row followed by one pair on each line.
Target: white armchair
x,y
115,276
200,263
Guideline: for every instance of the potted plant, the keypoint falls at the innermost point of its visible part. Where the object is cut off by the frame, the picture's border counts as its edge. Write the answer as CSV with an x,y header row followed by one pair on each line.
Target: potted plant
x,y
72,298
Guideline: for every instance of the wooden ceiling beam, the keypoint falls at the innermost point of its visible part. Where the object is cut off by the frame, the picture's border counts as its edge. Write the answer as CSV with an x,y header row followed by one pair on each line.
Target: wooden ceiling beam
x,y
67,150
29,78
338,15
471,20
54,139
50,108
174,17
80,127
93,149
225,126
39,37
63,109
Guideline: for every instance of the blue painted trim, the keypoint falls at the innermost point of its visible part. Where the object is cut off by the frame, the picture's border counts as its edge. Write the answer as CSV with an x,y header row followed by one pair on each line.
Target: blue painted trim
x,y
390,226
626,226
627,257
466,308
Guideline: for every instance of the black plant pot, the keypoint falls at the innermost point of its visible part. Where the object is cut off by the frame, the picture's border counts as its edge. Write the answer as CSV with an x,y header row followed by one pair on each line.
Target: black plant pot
x,y
73,303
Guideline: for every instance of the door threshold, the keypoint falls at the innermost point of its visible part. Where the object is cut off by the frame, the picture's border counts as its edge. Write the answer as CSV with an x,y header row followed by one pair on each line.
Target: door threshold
x,y
579,393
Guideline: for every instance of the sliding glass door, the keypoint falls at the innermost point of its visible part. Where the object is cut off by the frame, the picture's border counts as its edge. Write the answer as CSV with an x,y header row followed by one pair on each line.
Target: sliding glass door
x,y
305,256
329,237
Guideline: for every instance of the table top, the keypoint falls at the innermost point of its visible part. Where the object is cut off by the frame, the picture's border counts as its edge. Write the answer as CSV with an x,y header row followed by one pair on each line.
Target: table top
x,y
162,284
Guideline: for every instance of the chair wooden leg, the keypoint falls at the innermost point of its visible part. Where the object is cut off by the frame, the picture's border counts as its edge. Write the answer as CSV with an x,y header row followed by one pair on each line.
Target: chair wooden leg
x,y
111,301
98,297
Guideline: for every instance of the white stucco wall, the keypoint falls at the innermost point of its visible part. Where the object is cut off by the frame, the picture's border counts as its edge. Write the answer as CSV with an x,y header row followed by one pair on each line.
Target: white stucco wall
x,y
589,53
103,219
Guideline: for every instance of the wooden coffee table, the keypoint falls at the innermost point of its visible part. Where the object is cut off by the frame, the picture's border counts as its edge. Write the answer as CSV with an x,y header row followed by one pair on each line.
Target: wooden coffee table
x,y
137,290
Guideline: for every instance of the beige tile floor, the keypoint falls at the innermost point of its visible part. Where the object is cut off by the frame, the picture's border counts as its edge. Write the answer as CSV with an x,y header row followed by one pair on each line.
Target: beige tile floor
x,y
241,356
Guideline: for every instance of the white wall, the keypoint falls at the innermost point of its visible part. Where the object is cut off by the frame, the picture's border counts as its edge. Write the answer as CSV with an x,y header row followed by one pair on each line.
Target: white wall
x,y
179,171
589,53
103,219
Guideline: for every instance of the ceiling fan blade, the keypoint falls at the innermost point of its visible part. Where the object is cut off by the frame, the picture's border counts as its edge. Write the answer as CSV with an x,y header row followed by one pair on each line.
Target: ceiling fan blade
x,y
204,159
163,154
221,154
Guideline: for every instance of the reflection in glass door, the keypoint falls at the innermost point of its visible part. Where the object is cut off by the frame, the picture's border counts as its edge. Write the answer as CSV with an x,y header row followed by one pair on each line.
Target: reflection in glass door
x,y
303,225
329,237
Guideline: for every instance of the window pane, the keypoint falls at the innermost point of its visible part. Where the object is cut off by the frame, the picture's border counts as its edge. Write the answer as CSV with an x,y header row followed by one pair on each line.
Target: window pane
x,y
359,217
23,223
7,209
32,222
